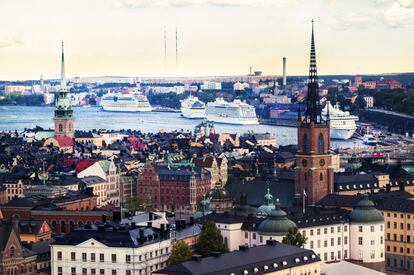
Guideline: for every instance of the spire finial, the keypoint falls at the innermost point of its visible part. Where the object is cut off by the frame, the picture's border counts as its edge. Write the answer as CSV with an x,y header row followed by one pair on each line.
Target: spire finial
x,y
313,108
62,69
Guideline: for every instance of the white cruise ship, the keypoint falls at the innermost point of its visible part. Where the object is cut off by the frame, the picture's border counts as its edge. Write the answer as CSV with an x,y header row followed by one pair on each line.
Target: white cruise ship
x,y
236,112
192,107
125,103
342,123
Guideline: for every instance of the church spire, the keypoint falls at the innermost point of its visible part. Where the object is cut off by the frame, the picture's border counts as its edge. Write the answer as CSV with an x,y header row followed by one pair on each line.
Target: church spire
x,y
313,107
62,69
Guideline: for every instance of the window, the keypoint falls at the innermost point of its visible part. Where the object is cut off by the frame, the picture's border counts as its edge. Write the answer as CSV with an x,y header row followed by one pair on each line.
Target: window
x,y
311,244
254,236
360,228
401,226
408,226
332,229
60,127
388,236
59,255
382,240
339,240
325,256
345,240
401,238
332,256
72,256
325,230
93,271
321,177
325,243
128,272
319,243
332,241
261,239
395,225
345,228
401,250
321,144
339,254
305,143
113,271
372,242
60,270
246,235
360,240
102,272
311,232
408,238
318,231
128,259
372,228
73,270
382,228
339,229
84,257
113,257
388,224
84,272
372,254
345,254
11,251
92,257
101,258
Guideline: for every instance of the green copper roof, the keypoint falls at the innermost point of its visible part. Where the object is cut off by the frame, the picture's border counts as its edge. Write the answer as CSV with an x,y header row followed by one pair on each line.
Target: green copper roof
x,y
276,223
105,165
365,212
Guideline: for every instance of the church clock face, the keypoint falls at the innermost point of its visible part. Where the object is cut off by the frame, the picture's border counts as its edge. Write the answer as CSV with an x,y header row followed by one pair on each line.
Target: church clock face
x,y
322,162
304,162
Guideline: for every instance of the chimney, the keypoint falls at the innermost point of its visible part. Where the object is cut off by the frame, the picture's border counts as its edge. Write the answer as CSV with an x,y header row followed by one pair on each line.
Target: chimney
x,y
284,71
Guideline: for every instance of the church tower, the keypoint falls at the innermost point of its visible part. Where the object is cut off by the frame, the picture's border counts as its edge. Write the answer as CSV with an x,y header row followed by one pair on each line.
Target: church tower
x,y
63,110
314,174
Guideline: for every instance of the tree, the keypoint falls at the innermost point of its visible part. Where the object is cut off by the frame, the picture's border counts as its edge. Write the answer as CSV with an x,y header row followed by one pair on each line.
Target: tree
x,y
294,237
210,240
135,204
180,252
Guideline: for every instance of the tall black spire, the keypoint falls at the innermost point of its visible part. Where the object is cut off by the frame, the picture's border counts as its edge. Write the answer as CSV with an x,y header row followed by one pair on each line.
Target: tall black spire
x,y
313,107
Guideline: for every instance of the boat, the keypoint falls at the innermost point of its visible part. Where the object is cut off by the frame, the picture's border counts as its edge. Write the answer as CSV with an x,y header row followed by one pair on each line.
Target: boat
x,y
236,112
369,139
342,123
192,107
117,102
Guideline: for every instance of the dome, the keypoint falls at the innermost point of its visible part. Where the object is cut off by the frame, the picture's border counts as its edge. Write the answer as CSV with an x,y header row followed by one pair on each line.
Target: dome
x,y
276,223
218,193
365,212
268,205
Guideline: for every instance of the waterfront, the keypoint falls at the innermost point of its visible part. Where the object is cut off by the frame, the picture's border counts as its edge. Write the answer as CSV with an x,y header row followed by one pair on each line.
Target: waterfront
x,y
21,117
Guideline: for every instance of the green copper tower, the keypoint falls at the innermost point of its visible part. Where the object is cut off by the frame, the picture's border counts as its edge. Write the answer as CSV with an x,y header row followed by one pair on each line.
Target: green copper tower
x,y
63,109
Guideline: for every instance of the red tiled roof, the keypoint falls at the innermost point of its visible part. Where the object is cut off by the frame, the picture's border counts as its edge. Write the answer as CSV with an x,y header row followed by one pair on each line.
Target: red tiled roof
x,y
84,163
64,141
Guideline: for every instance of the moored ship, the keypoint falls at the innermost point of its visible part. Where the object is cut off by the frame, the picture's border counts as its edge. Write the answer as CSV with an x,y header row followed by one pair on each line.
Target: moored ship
x,y
192,107
342,123
125,103
236,112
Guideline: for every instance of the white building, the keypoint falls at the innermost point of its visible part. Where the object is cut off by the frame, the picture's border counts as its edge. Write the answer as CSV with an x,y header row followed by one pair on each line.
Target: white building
x,y
333,234
369,101
239,86
111,250
211,85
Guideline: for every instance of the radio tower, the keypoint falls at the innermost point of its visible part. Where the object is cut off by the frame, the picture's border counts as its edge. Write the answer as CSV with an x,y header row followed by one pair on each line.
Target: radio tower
x,y
176,50
165,50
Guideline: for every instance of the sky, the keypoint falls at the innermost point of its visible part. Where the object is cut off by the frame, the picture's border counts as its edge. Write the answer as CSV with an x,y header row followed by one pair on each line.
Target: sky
x,y
215,37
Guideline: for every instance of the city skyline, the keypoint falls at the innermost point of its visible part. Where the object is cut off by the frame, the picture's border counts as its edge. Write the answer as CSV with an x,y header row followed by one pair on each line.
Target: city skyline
x,y
215,37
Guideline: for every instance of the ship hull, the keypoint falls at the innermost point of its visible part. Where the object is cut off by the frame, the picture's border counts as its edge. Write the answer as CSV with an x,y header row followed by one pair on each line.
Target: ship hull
x,y
233,121
193,113
126,109
342,134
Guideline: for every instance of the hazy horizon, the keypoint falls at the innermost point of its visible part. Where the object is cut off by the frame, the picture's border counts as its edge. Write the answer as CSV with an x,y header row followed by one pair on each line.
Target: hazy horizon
x,y
215,37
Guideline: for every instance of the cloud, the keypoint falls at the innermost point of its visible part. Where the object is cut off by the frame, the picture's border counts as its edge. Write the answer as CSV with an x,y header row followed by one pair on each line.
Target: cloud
x,y
213,3
8,42
400,14
352,20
